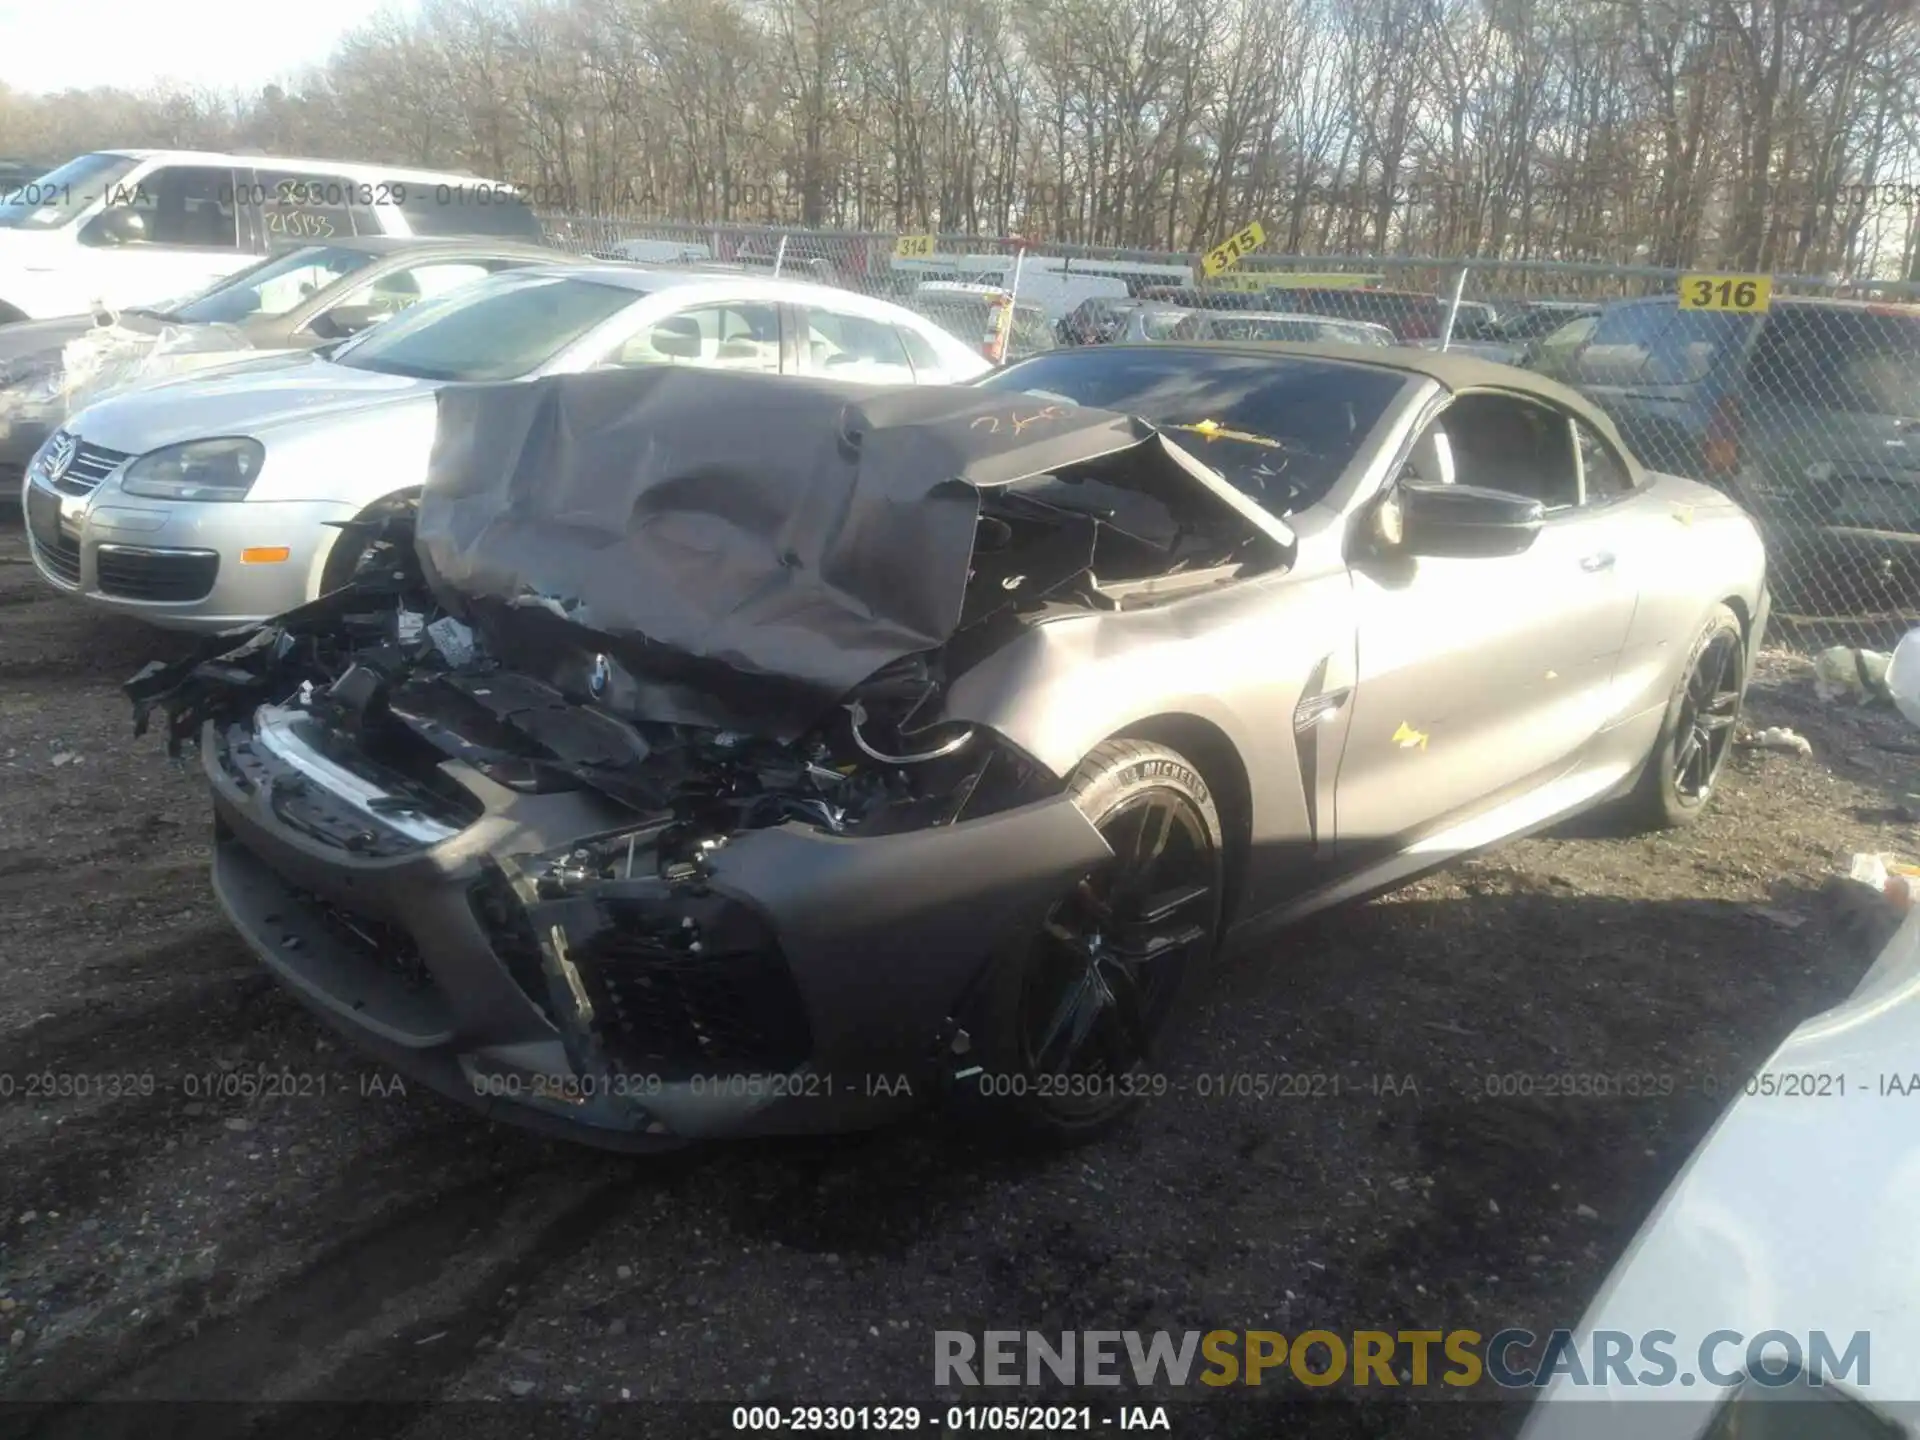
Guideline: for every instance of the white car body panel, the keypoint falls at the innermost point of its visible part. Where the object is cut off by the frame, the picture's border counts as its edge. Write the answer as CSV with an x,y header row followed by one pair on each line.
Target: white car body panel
x,y
44,273
1797,1213
339,438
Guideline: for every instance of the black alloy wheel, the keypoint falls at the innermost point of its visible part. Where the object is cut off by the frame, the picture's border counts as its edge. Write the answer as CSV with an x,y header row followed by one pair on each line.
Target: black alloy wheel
x,y
1081,1009
1710,707
1697,731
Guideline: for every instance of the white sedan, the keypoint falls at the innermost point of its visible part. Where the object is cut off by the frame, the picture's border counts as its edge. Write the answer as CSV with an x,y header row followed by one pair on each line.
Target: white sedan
x,y
1154,322
216,500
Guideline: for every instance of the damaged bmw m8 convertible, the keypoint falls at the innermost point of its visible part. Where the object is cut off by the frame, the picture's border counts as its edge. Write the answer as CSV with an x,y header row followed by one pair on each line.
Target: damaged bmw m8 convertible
x,y
711,754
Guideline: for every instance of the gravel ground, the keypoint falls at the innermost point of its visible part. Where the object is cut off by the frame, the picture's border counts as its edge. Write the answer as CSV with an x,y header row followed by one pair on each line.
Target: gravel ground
x,y
163,1235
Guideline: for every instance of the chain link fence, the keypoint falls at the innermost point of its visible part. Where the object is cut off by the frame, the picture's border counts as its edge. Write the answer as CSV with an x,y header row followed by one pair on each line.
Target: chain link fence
x,y
1800,397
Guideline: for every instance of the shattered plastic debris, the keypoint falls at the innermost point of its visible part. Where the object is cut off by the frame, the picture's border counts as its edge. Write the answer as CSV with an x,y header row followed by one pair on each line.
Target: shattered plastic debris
x,y
51,384
453,640
1903,677
1842,672
1892,878
111,356
1778,737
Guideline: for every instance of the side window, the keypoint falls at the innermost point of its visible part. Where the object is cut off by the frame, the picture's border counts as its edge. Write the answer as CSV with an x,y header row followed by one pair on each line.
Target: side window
x,y
189,206
852,347
302,209
927,364
1657,344
1691,343
387,295
1501,442
727,336
1604,473
1555,353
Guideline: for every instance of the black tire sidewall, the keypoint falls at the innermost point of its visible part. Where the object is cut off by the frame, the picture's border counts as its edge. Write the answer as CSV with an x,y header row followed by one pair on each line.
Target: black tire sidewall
x,y
1115,774
1664,804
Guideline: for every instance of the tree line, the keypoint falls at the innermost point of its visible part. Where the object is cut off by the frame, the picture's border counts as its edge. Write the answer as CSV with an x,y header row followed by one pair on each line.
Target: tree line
x,y
1753,134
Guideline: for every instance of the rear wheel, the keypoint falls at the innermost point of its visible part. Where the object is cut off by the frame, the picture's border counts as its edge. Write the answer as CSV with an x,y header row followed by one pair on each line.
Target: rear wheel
x,y
1698,730
1074,1016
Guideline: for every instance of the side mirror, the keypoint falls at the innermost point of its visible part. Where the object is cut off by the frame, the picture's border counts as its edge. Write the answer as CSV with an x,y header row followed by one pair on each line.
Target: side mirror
x,y
1462,522
118,225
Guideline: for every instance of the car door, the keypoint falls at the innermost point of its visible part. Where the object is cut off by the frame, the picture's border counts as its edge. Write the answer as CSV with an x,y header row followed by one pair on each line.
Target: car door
x,y
1479,678
191,236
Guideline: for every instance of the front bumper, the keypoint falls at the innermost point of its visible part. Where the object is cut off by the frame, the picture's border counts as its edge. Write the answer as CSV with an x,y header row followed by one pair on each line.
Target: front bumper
x,y
879,942
177,564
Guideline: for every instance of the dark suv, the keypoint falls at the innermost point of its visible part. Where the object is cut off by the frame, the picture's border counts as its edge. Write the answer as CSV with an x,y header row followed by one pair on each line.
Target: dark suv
x,y
1808,414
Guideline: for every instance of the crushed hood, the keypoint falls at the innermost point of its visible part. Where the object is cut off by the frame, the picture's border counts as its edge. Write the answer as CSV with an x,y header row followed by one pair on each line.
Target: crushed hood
x,y
741,551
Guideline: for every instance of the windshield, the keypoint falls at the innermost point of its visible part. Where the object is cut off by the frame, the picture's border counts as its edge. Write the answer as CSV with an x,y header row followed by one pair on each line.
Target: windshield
x,y
477,209
272,287
1233,327
1861,362
496,329
965,316
1283,430
60,195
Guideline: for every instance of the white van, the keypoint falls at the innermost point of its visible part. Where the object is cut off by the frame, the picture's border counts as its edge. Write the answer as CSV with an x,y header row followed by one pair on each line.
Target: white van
x,y
657,252
1055,283
122,228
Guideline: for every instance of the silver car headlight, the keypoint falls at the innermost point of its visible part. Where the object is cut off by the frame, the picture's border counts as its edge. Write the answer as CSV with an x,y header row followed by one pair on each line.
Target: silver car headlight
x,y
222,469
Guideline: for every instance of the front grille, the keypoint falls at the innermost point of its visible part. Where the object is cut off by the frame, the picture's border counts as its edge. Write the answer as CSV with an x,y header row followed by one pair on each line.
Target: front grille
x,y
57,550
387,945
129,573
504,920
660,1007
90,465
665,1012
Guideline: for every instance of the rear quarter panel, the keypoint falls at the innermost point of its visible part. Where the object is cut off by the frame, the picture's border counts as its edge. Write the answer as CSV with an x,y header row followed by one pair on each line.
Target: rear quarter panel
x,y
1693,549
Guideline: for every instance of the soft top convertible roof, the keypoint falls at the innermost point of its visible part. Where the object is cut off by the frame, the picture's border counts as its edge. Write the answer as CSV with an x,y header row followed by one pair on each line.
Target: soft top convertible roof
x,y
742,550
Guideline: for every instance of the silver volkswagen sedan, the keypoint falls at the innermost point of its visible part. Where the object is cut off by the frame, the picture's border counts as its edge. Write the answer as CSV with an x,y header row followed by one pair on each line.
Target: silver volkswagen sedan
x,y
222,498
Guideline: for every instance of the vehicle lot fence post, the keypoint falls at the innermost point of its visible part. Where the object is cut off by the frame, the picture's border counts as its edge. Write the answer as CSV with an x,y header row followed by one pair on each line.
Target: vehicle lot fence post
x,y
1453,307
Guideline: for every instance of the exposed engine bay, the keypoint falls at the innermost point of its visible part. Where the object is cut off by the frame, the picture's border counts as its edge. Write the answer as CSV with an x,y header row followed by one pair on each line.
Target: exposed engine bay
x,y
719,633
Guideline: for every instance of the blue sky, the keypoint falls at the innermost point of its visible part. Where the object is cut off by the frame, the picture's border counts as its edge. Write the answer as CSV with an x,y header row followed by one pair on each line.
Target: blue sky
x,y
228,44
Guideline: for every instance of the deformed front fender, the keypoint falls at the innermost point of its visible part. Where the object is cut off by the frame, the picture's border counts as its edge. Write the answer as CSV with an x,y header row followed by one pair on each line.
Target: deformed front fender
x,y
884,935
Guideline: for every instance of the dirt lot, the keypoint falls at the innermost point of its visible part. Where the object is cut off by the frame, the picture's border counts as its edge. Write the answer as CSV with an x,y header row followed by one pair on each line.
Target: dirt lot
x,y
161,1235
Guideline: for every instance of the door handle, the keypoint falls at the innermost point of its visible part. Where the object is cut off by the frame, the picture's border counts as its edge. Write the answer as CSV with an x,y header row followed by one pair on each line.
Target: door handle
x,y
1600,560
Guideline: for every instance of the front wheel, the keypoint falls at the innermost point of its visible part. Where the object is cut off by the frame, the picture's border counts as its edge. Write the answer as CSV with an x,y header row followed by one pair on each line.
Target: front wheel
x,y
1698,729
1073,1016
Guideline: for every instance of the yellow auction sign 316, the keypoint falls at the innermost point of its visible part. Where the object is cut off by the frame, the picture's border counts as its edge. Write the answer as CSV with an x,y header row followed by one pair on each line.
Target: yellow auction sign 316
x,y
1743,294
